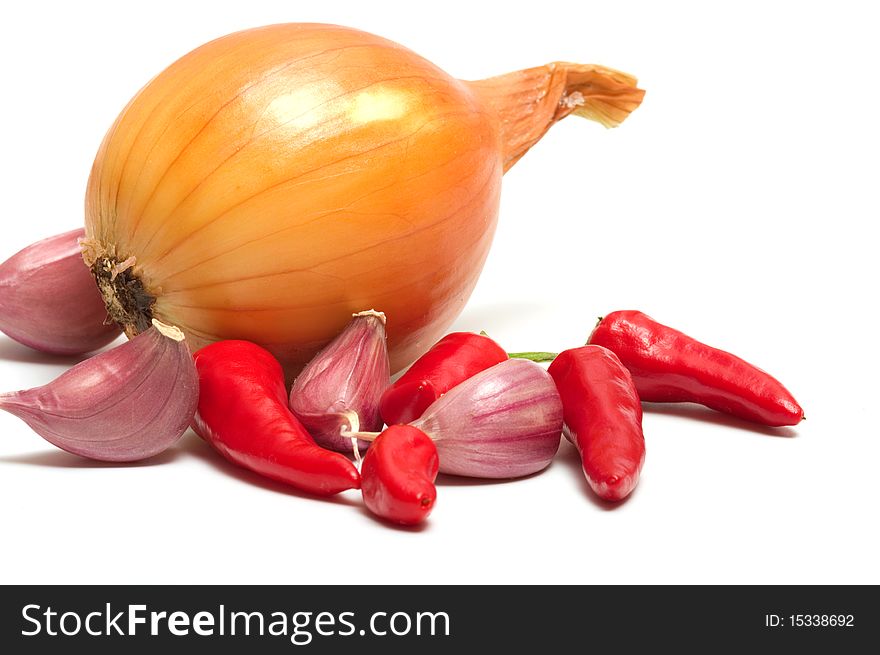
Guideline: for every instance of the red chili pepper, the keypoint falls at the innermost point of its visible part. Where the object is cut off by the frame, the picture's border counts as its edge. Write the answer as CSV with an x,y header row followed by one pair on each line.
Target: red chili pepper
x,y
668,366
243,413
398,474
452,360
603,417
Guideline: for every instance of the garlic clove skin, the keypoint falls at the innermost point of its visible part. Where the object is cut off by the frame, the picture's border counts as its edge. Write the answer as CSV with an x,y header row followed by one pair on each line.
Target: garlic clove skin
x,y
49,300
123,405
340,388
504,422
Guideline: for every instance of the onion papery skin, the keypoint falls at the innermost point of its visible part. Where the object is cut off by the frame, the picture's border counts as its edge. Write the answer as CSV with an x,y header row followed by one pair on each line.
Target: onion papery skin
x,y
272,182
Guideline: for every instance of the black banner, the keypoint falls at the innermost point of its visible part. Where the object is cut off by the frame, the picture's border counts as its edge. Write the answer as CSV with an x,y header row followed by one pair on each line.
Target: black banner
x,y
432,619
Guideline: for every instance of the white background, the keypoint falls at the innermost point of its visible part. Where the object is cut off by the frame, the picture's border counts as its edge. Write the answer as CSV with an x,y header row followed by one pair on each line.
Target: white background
x,y
735,204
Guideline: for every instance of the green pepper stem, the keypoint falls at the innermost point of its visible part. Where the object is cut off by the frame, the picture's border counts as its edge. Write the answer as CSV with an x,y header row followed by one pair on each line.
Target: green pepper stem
x,y
538,356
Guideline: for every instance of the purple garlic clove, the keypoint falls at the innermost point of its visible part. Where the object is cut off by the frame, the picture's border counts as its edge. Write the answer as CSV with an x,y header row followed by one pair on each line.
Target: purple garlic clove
x,y
504,422
339,390
122,405
49,300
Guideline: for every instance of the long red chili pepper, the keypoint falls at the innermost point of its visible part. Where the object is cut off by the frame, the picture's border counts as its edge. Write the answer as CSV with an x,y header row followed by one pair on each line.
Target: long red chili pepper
x,y
452,360
603,417
398,474
669,366
243,413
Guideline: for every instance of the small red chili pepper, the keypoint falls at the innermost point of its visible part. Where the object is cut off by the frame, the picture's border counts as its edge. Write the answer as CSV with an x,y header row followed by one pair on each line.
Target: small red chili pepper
x,y
243,413
398,474
603,418
668,366
452,360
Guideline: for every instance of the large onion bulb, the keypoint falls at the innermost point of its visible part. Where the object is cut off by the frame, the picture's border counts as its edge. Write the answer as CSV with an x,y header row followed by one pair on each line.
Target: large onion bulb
x,y
273,181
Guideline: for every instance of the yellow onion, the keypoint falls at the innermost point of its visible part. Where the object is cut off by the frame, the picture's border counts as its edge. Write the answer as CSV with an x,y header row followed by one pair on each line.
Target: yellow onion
x,y
272,182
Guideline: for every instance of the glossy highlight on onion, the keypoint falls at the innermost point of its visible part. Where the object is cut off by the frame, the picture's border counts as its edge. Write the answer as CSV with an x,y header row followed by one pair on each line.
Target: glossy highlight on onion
x,y
274,181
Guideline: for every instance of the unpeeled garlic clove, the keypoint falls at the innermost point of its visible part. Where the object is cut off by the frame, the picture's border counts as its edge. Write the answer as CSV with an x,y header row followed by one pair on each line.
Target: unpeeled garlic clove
x,y
339,390
504,422
49,300
122,405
